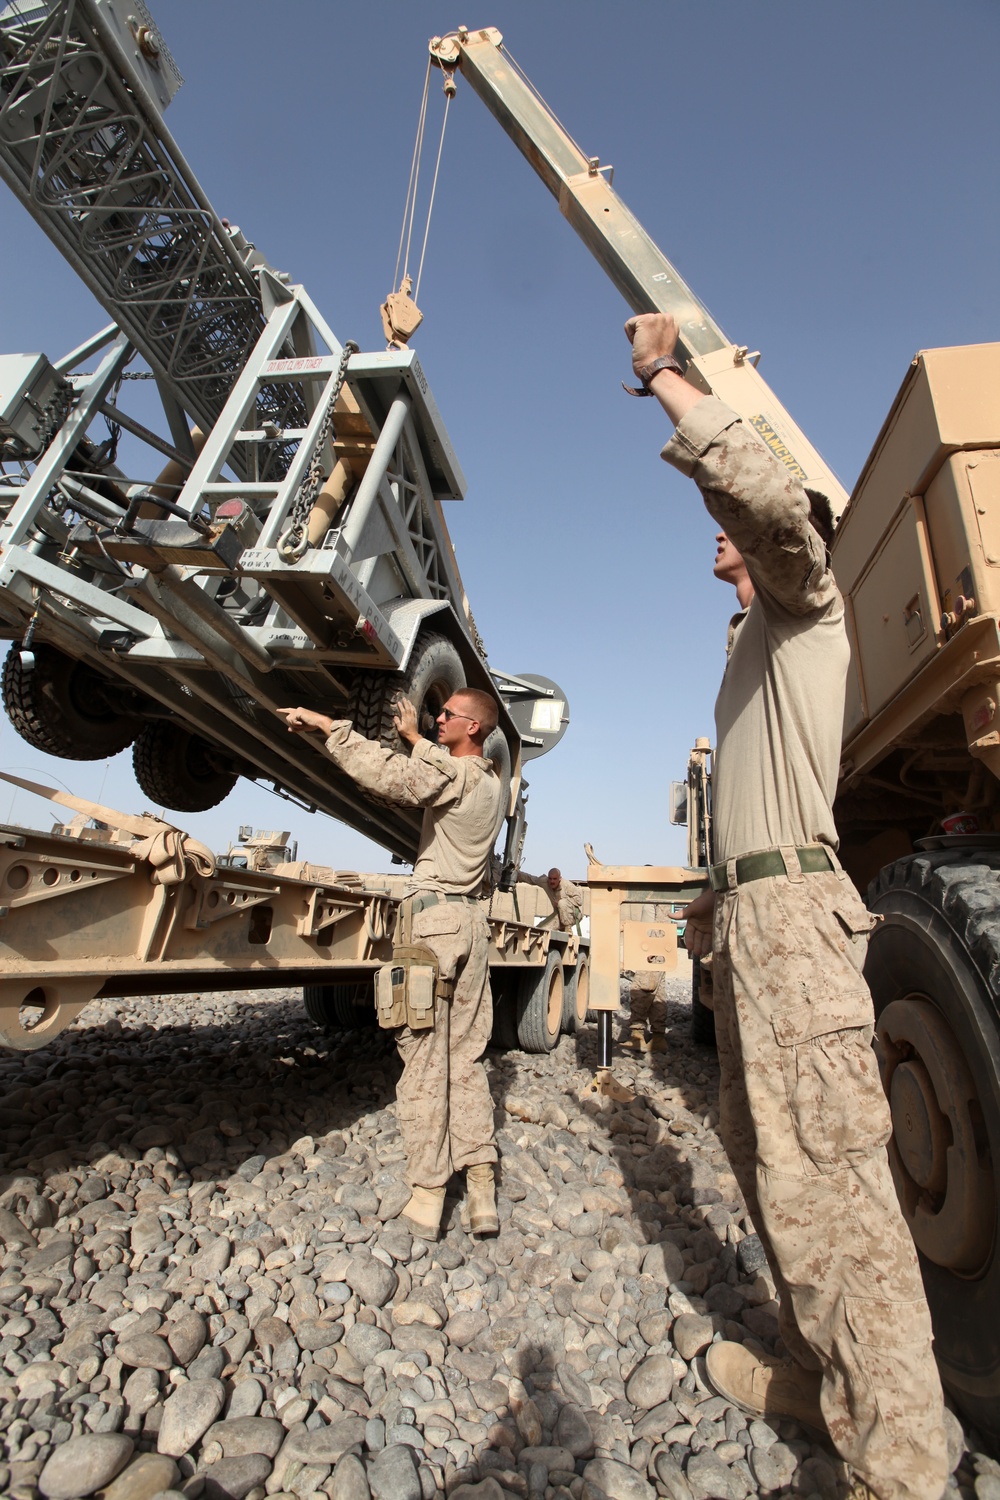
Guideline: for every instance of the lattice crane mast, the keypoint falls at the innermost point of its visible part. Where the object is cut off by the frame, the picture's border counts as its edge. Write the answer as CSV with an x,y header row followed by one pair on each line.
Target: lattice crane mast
x,y
317,568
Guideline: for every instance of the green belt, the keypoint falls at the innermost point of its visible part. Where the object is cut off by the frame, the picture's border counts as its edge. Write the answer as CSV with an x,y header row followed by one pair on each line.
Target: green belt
x,y
813,859
424,899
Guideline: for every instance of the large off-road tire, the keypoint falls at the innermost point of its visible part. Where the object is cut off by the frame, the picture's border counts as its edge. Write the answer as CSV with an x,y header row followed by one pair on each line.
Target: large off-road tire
x,y
347,1006
576,995
180,770
934,971
540,1004
60,706
434,672
702,1015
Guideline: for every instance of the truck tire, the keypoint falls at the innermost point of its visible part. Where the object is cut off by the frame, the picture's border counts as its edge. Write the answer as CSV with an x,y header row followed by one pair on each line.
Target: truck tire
x,y
702,1016
434,672
180,770
934,971
540,1004
346,1006
59,706
576,996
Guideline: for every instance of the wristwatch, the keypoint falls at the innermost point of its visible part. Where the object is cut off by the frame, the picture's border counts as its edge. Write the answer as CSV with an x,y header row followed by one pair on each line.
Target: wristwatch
x,y
646,373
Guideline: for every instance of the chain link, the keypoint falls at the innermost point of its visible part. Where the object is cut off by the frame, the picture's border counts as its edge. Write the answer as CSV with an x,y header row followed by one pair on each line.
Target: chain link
x,y
294,540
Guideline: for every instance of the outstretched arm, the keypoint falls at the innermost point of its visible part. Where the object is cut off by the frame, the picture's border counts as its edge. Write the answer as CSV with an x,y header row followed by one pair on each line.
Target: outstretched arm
x,y
423,779
304,720
759,504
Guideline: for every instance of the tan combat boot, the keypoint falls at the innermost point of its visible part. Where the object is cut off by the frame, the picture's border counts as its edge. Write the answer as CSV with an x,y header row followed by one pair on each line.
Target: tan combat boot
x,y
764,1386
658,1042
636,1039
422,1215
481,1195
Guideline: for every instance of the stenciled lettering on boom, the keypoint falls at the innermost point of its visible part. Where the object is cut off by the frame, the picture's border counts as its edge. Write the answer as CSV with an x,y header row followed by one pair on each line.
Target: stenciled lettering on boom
x,y
762,425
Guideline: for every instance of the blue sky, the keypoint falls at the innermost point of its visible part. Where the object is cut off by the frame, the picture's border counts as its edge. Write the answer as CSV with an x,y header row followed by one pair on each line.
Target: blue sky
x,y
822,175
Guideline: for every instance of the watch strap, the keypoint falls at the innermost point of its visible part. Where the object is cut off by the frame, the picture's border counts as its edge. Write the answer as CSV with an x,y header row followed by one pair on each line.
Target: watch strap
x,y
646,373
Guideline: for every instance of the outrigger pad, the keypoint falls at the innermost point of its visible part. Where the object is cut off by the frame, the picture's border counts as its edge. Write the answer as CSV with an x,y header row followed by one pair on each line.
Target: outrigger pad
x,y
606,1084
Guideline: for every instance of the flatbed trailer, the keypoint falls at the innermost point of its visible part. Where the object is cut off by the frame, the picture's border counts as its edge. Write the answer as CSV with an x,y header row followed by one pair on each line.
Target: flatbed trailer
x,y
151,911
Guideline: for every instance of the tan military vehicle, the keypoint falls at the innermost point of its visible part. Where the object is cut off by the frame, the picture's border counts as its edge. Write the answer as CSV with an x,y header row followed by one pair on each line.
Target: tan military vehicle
x,y
260,849
917,555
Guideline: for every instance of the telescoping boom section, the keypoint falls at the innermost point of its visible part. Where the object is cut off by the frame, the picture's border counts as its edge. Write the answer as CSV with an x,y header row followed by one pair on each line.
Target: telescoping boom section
x,y
638,268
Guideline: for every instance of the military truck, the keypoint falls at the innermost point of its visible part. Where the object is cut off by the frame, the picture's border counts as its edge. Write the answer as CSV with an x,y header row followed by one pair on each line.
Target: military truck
x,y
917,555
260,849
918,809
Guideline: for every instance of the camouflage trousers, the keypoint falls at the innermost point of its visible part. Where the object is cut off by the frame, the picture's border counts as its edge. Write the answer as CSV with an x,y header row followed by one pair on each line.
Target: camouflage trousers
x,y
805,1123
648,1001
443,1101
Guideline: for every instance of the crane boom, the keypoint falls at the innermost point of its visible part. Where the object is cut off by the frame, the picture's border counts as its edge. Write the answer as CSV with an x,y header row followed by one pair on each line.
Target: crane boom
x,y
637,267
84,147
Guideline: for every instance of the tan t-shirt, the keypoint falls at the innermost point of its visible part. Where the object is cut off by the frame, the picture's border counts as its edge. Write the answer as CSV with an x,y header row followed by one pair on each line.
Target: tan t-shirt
x,y
780,711
460,797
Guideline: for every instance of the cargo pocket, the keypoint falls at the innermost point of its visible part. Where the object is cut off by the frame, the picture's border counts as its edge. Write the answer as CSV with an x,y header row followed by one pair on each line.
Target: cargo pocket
x,y
440,927
894,1341
406,1118
856,923
838,1111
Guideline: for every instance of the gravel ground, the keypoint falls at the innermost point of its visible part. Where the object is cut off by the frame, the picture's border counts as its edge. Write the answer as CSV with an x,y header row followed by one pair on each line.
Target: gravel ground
x,y
203,1290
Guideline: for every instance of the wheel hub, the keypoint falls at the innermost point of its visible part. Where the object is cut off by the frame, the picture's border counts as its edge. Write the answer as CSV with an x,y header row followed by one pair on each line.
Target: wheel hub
x,y
942,1173
920,1130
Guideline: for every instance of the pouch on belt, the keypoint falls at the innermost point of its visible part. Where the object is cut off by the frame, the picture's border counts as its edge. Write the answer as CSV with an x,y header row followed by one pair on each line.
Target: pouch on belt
x,y
408,988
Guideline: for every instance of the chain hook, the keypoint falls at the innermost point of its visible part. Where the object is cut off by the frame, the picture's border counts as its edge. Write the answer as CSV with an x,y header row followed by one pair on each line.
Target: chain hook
x,y
294,540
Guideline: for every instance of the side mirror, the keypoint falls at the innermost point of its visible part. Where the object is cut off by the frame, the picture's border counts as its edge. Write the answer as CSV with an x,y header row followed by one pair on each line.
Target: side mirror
x,y
679,803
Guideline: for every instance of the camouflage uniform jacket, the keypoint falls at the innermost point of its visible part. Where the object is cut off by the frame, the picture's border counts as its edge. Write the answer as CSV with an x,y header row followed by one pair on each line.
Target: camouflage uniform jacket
x,y
460,797
779,713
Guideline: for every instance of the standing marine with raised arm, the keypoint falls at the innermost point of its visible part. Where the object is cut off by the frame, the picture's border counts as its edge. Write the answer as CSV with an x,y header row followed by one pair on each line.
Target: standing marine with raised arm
x,y
443,1099
803,1116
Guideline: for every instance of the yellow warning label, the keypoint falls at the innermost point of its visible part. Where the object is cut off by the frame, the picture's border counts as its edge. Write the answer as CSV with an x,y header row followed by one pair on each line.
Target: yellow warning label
x,y
762,425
